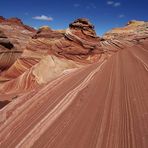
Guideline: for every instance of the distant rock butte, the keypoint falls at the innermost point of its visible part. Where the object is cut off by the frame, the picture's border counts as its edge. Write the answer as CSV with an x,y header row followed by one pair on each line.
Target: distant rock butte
x,y
133,30
15,21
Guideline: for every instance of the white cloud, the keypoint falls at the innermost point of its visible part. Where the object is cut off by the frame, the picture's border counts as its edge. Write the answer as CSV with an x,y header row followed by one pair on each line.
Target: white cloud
x,y
121,16
117,4
110,2
43,18
35,28
76,5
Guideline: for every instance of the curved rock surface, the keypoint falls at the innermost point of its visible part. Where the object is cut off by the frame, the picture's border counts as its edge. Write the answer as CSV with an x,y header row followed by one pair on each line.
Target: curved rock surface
x,y
55,98
8,54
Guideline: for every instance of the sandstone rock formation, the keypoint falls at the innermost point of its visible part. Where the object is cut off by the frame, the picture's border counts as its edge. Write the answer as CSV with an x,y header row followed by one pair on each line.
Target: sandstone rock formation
x,y
133,30
18,33
72,89
14,37
4,41
57,51
79,42
8,54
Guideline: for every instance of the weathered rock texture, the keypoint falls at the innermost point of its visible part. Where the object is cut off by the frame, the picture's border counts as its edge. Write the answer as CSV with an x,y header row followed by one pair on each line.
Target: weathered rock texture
x,y
8,53
79,42
14,37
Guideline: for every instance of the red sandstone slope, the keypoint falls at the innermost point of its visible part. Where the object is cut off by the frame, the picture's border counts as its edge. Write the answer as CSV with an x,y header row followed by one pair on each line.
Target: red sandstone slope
x,y
98,105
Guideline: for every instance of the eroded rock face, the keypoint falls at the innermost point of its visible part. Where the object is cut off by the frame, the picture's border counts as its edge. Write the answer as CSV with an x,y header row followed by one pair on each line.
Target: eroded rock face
x,y
4,41
48,33
133,30
8,53
84,25
18,33
78,42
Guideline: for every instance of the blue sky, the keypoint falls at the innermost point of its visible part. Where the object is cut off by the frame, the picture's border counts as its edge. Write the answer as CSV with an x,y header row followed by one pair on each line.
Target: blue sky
x,y
104,14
